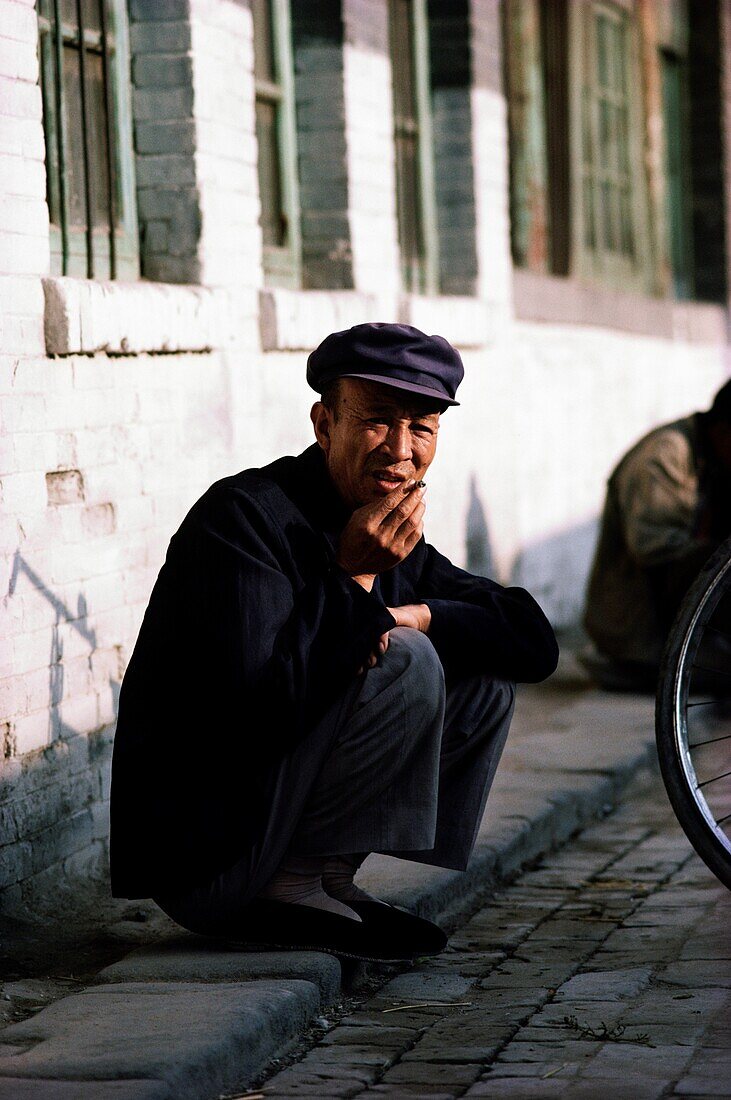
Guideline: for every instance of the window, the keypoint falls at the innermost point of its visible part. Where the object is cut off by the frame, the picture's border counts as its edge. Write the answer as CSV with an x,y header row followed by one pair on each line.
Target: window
x,y
413,144
595,191
578,190
678,184
276,137
90,186
609,174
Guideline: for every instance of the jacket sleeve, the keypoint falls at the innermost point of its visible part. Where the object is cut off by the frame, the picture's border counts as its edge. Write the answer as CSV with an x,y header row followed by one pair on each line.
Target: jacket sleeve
x,y
268,644
479,626
657,490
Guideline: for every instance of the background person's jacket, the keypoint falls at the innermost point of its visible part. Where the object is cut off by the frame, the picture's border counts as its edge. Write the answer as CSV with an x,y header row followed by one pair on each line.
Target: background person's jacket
x,y
649,548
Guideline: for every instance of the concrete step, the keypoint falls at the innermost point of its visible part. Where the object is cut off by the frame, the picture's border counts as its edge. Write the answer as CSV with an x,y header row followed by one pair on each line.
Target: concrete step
x,y
186,1019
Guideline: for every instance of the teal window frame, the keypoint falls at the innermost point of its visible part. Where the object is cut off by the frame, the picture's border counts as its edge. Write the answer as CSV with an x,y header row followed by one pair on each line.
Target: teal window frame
x,y
274,89
415,190
610,235
89,250
673,62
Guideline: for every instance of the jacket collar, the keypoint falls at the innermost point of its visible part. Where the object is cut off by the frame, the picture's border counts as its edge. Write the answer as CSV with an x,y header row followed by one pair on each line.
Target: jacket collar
x,y
314,493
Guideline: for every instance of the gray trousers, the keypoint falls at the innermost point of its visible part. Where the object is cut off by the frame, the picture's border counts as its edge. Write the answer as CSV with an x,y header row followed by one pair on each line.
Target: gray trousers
x,y
405,770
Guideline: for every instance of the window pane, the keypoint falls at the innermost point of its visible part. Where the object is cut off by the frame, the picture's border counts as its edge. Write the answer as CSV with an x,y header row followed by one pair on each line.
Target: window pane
x,y
408,175
74,138
50,126
589,226
68,12
606,143
402,61
91,12
263,41
604,134
273,223
602,47
97,133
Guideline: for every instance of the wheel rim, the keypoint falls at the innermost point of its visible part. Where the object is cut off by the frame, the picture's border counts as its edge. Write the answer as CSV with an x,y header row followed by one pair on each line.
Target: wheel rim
x,y
684,670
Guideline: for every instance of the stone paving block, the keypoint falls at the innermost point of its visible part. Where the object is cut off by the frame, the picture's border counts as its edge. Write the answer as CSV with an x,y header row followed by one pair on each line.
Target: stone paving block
x,y
435,1092
505,1070
388,1037
630,1061
524,974
432,1074
605,985
353,1054
699,972
198,1039
191,959
706,946
17,1088
311,1072
669,1006
588,1012
597,1088
517,1088
420,985
562,1050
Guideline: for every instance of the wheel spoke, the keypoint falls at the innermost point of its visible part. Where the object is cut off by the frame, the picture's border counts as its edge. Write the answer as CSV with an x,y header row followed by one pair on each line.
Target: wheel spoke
x,y
714,671
710,741
721,633
714,779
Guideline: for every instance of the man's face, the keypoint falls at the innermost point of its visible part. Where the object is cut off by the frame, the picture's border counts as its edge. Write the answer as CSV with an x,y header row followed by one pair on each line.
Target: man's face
x,y
375,438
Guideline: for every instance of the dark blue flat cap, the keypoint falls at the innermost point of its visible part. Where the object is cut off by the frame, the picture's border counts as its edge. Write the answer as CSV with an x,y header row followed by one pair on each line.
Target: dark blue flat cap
x,y
395,355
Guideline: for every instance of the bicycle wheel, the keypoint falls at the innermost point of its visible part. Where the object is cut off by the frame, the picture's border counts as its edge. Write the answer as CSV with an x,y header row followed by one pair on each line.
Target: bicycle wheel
x,y
693,714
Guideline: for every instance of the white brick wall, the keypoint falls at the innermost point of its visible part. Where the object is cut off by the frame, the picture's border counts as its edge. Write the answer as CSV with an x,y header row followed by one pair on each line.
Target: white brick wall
x,y
102,454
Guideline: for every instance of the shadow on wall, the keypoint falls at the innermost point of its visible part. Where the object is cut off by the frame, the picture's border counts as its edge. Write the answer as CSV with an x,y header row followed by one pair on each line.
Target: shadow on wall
x,y
53,800
554,569
78,621
478,545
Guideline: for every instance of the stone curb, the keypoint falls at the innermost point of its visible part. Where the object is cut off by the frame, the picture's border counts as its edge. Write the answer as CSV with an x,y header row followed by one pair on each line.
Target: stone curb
x,y
185,1020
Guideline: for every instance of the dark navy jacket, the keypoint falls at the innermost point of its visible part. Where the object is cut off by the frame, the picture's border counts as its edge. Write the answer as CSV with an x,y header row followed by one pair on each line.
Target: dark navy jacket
x,y
251,634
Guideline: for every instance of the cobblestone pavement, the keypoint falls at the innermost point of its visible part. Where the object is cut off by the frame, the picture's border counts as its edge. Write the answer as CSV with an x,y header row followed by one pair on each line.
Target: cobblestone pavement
x,y
604,973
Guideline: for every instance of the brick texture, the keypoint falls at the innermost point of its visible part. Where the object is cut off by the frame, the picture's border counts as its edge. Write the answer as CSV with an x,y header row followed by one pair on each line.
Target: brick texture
x,y
121,402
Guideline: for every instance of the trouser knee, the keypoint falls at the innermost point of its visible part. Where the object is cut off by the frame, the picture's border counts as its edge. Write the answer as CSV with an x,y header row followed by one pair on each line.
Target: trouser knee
x,y
420,673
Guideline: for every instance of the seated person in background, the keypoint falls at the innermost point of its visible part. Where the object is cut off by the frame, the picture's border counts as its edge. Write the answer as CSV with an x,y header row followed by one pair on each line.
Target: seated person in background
x,y
668,506
313,681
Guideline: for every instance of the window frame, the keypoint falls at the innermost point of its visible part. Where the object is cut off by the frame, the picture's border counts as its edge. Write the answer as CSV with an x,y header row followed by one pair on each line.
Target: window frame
x,y
611,268
111,252
423,276
282,265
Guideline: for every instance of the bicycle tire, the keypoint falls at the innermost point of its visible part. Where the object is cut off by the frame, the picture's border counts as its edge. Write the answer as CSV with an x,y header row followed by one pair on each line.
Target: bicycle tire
x,y
674,749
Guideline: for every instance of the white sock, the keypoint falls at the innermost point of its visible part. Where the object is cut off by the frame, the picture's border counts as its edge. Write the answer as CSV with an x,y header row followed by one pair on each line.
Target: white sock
x,y
304,887
337,878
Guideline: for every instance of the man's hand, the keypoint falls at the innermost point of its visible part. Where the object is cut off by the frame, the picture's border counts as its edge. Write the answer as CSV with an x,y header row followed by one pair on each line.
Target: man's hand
x,y
417,616
380,535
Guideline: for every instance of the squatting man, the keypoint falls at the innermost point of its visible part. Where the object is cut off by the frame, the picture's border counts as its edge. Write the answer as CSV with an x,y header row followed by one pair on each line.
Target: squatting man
x,y
314,682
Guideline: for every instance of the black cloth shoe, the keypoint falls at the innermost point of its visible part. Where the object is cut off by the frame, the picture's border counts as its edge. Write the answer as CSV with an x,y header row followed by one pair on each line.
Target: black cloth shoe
x,y
286,926
409,935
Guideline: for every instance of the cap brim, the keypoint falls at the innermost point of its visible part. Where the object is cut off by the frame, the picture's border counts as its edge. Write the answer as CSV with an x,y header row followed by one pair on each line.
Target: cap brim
x,y
398,384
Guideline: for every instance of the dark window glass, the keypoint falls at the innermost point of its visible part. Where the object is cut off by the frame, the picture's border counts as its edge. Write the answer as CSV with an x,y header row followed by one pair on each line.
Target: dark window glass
x,y
406,139
76,57
274,133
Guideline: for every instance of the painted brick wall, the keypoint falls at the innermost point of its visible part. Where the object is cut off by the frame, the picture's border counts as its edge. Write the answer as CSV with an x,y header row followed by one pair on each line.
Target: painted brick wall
x,y
154,390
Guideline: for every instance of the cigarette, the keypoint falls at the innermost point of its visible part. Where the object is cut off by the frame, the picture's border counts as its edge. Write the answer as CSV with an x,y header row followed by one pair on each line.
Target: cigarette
x,y
420,485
